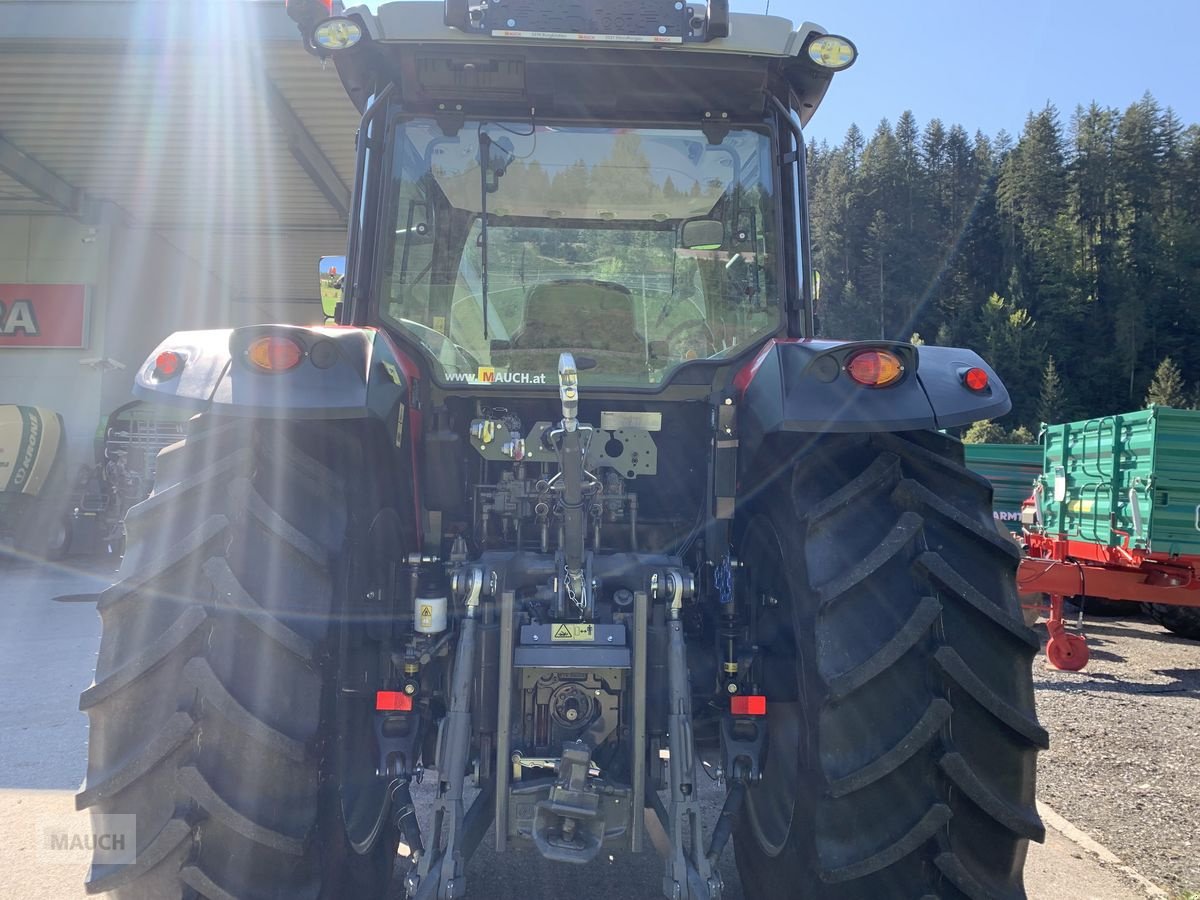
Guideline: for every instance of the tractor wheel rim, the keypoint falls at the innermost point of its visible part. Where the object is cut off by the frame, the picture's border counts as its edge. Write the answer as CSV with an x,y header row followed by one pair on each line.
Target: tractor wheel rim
x,y
362,789
771,802
363,795
58,536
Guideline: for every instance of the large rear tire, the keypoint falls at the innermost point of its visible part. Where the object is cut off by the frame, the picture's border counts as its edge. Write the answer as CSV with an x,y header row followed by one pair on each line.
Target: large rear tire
x,y
1181,620
214,709
901,726
1031,603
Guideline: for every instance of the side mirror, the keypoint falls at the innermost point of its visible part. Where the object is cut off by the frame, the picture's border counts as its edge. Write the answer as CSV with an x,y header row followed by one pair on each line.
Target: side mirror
x,y
495,156
702,234
331,273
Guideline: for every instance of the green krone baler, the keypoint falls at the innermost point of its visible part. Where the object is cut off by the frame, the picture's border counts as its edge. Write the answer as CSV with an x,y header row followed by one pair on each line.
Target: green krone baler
x,y
1134,475
34,499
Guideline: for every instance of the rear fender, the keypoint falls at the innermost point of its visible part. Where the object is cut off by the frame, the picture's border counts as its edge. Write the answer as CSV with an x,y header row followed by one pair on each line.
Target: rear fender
x,y
802,386
345,373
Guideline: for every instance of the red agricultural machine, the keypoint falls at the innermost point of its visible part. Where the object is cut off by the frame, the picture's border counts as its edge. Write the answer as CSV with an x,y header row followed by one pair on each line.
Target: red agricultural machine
x,y
1115,515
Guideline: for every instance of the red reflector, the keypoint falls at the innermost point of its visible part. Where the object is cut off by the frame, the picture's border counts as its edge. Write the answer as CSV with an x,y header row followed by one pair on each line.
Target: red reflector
x,y
168,364
274,353
874,368
748,705
393,701
975,378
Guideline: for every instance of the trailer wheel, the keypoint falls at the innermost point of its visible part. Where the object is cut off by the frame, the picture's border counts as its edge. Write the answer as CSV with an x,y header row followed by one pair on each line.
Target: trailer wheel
x,y
214,709
901,726
44,531
1103,607
1181,620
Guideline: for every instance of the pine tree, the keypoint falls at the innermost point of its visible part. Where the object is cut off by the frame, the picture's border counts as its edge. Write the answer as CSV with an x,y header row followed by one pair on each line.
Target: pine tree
x,y
1167,388
1091,177
1050,404
853,146
1010,342
1091,231
1032,194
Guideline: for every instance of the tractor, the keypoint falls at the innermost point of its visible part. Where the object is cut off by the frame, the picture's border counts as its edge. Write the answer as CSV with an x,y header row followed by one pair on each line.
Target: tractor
x,y
567,507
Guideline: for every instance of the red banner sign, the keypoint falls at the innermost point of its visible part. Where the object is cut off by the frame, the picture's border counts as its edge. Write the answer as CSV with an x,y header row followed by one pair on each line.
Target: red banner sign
x,y
43,315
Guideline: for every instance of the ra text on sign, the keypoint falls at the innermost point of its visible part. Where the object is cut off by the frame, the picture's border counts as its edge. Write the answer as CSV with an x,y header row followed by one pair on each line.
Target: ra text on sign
x,y
43,315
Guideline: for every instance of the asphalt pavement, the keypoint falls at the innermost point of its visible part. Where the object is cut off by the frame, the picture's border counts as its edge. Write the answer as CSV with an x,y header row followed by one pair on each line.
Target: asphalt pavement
x,y
47,656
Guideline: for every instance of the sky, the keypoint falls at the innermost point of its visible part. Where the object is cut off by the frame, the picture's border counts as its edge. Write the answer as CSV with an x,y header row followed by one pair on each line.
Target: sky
x,y
985,64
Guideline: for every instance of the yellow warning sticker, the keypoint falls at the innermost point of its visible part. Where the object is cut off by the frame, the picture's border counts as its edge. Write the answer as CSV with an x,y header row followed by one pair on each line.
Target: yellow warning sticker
x,y
426,615
573,631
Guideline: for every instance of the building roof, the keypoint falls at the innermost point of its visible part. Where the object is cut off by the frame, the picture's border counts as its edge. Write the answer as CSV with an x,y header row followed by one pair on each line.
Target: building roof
x,y
206,122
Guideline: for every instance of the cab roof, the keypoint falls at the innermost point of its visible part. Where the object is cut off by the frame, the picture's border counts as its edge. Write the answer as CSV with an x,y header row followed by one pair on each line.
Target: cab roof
x,y
437,66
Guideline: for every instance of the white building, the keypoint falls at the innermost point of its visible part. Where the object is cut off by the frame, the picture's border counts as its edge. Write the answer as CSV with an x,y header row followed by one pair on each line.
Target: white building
x,y
171,165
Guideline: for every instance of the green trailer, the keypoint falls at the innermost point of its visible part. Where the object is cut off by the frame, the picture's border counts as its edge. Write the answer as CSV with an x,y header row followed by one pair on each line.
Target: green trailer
x,y
1125,480
1116,515
1012,469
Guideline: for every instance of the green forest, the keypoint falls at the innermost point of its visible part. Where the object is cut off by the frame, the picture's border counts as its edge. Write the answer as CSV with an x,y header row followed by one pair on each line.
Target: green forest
x,y
1069,257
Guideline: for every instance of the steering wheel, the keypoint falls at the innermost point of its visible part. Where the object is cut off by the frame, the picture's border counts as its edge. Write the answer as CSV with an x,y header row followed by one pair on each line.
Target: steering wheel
x,y
692,339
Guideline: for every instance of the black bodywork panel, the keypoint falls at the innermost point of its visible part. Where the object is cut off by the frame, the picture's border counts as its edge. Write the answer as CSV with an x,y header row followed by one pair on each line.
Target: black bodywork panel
x,y
346,373
648,19
559,82
801,386
497,77
349,372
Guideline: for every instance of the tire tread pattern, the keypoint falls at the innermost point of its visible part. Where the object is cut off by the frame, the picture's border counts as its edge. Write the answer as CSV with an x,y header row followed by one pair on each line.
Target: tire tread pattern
x,y
906,609
205,713
1181,620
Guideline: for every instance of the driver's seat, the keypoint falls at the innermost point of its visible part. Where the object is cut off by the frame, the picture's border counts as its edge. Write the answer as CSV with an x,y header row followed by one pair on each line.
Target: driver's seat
x,y
579,314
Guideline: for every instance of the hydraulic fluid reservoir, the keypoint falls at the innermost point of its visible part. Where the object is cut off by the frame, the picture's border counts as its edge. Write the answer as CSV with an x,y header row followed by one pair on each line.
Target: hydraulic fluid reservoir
x,y
430,603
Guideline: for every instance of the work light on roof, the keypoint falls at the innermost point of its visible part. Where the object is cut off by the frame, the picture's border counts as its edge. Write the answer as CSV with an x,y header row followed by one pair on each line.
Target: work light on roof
x,y
832,51
338,33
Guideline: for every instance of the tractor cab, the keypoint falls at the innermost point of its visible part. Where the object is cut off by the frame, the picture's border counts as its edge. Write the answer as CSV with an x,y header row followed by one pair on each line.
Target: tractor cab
x,y
621,181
